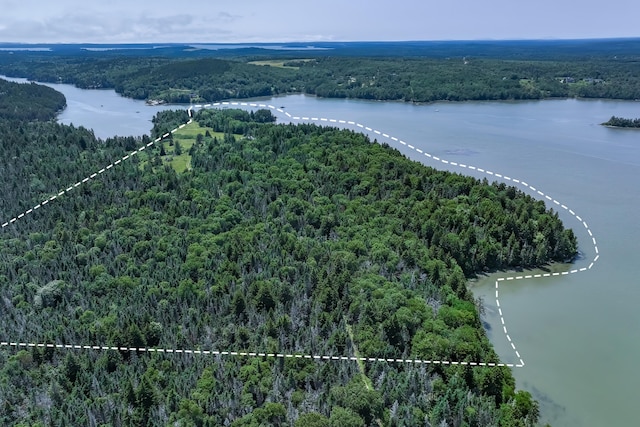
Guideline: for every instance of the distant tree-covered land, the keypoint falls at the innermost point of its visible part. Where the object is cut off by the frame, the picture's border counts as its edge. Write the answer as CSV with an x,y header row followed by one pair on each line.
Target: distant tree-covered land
x,y
29,101
191,76
277,238
620,122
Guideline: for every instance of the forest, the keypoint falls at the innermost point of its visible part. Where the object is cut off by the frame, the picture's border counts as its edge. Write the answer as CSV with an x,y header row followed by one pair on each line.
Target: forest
x,y
29,101
297,239
621,122
418,79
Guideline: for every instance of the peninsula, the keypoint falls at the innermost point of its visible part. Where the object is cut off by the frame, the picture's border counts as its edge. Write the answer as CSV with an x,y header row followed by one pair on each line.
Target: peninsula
x,y
620,122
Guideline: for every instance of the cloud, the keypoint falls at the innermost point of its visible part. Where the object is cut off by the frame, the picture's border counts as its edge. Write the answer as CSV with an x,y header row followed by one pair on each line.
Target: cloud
x,y
228,17
161,21
113,27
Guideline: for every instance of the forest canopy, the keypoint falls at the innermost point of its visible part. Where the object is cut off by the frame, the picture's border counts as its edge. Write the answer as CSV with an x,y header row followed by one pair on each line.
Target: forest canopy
x,y
279,238
408,79
29,101
621,122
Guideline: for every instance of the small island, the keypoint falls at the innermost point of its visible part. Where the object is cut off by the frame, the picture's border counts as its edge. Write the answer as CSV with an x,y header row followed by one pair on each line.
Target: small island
x,y
619,122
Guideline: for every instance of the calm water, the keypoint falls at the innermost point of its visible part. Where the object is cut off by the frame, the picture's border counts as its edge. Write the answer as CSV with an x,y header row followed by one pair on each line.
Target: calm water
x,y
579,335
104,111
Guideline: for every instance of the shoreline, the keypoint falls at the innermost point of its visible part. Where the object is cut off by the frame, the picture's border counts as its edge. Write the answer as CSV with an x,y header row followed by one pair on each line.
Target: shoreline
x,y
161,101
620,127
552,267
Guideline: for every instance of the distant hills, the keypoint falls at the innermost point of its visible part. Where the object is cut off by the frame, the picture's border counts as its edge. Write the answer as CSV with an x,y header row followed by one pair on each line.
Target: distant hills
x,y
531,49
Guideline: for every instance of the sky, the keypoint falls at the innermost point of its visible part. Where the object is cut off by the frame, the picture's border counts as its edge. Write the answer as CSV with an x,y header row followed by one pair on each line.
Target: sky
x,y
252,21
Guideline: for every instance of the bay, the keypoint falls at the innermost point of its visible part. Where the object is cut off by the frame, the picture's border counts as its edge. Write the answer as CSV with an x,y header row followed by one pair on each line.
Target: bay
x,y
104,111
578,334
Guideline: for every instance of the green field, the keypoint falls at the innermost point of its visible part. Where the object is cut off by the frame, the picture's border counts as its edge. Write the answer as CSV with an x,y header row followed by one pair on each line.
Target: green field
x,y
279,64
185,138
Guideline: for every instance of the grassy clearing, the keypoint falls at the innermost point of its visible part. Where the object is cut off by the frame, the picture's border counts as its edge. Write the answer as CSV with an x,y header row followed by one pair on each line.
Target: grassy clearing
x,y
180,163
526,83
185,138
279,63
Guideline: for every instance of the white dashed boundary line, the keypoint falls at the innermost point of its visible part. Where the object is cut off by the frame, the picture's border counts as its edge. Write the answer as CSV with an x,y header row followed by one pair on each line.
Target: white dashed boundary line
x,y
90,177
247,354
393,139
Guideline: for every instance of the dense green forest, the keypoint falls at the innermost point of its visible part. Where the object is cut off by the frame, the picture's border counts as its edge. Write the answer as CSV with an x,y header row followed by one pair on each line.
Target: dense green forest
x,y
621,122
459,79
165,79
278,238
29,101
410,79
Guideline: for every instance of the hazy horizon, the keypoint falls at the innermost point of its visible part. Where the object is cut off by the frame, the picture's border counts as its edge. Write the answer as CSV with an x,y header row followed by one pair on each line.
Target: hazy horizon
x,y
253,21
313,42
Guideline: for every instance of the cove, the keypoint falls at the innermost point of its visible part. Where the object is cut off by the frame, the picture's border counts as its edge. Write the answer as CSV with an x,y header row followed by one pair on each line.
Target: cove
x,y
104,111
578,334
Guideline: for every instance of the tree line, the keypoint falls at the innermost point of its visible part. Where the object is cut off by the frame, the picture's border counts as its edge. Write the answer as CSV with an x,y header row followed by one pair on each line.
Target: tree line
x,y
409,79
621,122
29,101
